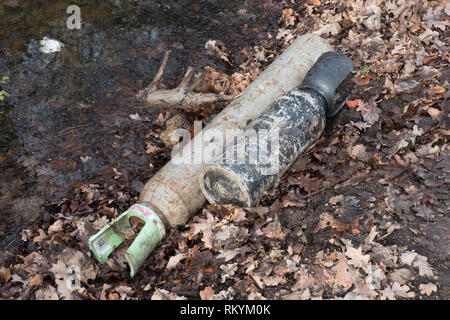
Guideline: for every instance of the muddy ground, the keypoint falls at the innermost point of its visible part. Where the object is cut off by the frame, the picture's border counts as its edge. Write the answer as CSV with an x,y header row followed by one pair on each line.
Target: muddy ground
x,y
362,215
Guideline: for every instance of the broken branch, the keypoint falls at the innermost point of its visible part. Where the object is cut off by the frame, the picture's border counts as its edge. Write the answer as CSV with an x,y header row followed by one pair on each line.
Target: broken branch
x,y
181,97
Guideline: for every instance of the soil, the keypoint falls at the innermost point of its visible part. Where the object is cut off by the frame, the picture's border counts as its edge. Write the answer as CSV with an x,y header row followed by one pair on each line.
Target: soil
x,y
70,151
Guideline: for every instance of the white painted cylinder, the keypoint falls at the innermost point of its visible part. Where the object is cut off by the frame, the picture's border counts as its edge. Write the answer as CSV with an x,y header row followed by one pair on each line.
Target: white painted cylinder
x,y
174,192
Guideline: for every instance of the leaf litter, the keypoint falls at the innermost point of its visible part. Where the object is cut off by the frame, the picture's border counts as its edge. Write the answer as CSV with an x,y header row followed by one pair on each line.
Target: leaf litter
x,y
345,223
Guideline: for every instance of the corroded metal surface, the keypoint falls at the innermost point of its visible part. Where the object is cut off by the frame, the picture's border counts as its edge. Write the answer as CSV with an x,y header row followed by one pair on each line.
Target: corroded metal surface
x,y
239,177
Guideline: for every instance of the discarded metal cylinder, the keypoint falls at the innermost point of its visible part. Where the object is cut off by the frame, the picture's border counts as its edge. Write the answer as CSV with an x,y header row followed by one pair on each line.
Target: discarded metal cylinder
x,y
257,158
173,194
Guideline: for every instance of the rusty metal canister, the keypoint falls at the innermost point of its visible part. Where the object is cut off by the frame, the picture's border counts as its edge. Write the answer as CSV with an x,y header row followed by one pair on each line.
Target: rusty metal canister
x,y
262,153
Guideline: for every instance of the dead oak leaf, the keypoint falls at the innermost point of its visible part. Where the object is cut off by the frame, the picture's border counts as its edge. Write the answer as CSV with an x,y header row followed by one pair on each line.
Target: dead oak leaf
x,y
421,263
298,295
230,236
434,113
124,292
273,230
358,152
35,263
428,288
41,237
343,275
63,280
357,258
206,293
56,227
161,294
230,254
175,260
228,271
11,3
327,220
288,17
310,184
304,279
35,281
72,268
204,226
369,111
437,90
408,257
47,293
375,277
402,291
273,281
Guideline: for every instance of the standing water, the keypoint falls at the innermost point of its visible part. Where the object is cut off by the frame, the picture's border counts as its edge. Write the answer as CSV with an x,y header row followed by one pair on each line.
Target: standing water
x,y
65,114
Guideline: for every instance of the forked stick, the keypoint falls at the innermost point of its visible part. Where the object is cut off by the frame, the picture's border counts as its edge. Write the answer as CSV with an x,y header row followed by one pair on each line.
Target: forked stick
x,y
181,97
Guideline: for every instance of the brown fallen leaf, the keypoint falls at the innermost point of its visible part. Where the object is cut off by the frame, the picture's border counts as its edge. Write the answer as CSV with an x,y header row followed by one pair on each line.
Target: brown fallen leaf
x,y
205,227
427,60
343,275
421,263
310,184
135,116
56,227
357,258
124,291
175,260
5,274
161,294
358,152
428,288
437,90
206,293
62,280
298,295
35,263
35,281
327,220
362,79
369,111
11,3
402,276
273,230
113,296
353,103
103,293
47,293
288,17
61,164
3,159
402,291
273,281
434,113
41,237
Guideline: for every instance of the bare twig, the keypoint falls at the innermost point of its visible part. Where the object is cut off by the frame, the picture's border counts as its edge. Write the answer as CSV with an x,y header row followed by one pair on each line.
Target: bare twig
x,y
181,97
157,79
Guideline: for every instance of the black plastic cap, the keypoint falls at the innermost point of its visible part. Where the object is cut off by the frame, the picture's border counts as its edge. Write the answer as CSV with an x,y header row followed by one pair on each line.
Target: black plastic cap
x,y
326,75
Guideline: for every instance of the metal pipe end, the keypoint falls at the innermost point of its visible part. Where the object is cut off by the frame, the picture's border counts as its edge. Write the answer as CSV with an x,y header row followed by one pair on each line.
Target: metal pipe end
x,y
222,186
103,243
